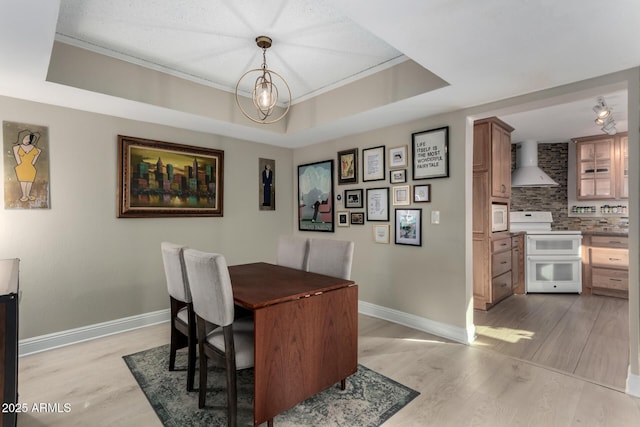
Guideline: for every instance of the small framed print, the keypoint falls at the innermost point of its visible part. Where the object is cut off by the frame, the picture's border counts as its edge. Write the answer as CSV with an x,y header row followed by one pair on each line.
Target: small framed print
x,y
373,164
408,227
378,204
343,218
381,233
401,195
398,157
422,193
357,218
348,166
431,153
398,176
353,198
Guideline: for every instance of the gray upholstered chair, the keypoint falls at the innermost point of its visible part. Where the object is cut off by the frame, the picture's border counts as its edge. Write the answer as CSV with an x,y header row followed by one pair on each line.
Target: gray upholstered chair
x,y
183,321
232,341
292,252
330,257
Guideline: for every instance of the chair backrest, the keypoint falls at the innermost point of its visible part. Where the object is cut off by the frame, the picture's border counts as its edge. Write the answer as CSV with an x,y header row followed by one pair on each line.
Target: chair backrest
x,y
292,252
331,257
210,286
177,283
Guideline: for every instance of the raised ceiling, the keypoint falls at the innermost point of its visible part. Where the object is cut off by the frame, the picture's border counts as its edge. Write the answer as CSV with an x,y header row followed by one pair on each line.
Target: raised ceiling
x,y
480,52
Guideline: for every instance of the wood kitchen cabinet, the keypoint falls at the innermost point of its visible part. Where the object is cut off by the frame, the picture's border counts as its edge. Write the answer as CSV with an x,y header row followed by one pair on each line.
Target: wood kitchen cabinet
x,y
492,254
602,164
606,265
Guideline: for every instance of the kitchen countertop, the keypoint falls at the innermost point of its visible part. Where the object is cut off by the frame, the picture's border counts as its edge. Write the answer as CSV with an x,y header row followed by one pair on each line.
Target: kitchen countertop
x,y
606,233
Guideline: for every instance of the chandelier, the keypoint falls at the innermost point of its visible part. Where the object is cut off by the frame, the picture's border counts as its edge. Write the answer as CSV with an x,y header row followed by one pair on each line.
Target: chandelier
x,y
265,93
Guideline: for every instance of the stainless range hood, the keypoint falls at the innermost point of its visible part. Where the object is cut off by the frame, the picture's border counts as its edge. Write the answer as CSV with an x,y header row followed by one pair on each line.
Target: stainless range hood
x,y
527,172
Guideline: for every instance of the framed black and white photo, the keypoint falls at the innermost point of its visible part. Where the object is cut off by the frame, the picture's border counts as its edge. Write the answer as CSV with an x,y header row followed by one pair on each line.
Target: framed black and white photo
x,y
431,153
357,218
408,227
378,204
343,218
422,193
353,198
398,176
398,157
401,195
348,166
373,164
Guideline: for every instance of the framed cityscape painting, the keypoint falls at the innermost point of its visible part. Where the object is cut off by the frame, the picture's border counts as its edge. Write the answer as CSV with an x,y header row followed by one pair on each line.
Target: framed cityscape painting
x,y
164,179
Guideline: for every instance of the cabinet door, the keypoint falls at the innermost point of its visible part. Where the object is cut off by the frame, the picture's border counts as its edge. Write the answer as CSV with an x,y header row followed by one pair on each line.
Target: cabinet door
x,y
596,169
623,170
501,162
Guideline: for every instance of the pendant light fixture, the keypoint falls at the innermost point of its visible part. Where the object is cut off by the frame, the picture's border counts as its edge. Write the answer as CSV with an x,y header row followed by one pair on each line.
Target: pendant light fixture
x,y
265,93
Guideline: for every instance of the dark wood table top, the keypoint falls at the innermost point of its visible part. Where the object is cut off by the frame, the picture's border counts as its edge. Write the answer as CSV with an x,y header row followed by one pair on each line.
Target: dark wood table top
x,y
261,284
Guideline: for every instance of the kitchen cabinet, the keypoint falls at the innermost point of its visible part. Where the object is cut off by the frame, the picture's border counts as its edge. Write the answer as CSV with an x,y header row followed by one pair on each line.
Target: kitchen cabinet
x,y
492,255
606,265
602,167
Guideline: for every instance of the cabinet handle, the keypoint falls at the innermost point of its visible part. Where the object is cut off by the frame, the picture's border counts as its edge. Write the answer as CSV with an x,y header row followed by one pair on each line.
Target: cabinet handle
x,y
615,259
615,242
615,280
504,188
503,244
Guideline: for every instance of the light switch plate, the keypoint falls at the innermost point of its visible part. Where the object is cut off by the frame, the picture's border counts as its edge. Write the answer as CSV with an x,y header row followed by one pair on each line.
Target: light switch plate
x,y
435,217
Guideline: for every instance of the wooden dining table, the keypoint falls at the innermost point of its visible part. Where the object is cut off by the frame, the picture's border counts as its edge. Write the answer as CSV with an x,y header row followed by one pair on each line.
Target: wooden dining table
x,y
306,333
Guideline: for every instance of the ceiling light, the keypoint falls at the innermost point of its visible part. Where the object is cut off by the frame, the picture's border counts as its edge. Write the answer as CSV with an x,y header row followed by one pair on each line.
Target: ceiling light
x,y
604,116
601,109
609,126
264,91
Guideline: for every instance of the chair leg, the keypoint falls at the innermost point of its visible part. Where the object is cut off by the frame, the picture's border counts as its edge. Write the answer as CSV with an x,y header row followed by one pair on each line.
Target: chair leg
x,y
270,423
173,348
202,393
191,364
232,392
343,384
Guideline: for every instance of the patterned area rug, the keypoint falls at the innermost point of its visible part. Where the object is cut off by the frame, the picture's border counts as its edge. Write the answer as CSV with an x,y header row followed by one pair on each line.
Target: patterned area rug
x,y
369,400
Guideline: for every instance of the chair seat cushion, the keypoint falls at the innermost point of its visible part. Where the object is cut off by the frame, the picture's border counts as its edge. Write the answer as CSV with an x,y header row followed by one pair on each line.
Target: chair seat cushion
x,y
242,339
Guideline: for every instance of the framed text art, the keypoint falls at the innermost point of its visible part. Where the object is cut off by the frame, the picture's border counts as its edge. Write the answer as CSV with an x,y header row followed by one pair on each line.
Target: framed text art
x,y
315,196
164,179
348,166
381,233
408,227
378,204
430,153
26,166
373,164
267,185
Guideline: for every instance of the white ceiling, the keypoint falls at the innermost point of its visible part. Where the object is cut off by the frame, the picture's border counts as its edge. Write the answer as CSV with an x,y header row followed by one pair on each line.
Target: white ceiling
x,y
486,51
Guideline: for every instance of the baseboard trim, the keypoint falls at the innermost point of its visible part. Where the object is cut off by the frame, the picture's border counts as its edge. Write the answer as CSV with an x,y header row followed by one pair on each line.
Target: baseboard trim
x,y
633,384
90,332
443,330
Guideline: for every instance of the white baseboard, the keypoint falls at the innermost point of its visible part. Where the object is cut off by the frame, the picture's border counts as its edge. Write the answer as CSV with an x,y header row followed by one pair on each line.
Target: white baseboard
x,y
85,333
633,384
443,330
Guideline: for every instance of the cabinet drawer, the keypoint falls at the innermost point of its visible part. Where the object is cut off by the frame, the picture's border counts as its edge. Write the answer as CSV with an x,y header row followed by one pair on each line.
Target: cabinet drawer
x,y
501,286
610,241
500,245
609,258
500,263
610,279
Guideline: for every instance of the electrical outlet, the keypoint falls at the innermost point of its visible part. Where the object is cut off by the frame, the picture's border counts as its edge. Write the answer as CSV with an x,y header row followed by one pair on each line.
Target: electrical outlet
x,y
435,217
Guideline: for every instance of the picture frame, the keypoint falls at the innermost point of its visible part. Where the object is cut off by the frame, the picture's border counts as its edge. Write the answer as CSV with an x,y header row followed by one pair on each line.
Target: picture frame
x,y
357,218
381,233
398,176
401,195
266,184
378,204
408,227
343,218
348,166
166,179
315,196
430,151
353,198
422,193
398,157
373,164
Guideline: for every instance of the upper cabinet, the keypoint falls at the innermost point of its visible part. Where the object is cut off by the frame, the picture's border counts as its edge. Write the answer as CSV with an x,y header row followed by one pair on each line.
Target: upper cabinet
x,y
602,167
492,153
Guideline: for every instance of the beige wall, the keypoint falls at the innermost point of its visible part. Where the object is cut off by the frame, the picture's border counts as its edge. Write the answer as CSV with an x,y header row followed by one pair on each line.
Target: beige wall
x,y
80,265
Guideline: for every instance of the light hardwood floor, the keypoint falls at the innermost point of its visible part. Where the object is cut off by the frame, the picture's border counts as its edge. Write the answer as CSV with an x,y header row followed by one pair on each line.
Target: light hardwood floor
x,y
460,385
584,335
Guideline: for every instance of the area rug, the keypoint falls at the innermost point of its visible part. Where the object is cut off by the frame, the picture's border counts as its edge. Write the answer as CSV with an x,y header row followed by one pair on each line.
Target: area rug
x,y
369,400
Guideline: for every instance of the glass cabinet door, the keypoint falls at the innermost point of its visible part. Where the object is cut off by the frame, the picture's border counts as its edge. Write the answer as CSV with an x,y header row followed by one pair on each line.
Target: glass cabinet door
x,y
595,162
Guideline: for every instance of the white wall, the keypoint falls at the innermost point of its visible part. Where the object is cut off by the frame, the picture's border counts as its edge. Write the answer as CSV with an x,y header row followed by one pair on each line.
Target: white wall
x,y
80,265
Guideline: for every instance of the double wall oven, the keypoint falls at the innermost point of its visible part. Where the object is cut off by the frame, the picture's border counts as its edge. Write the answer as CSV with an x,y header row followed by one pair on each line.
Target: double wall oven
x,y
553,259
